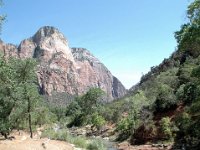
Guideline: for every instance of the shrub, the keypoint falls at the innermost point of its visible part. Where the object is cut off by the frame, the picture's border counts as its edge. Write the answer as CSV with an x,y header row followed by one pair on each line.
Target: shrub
x,y
98,121
59,135
96,145
166,128
64,135
79,141
165,99
83,107
124,126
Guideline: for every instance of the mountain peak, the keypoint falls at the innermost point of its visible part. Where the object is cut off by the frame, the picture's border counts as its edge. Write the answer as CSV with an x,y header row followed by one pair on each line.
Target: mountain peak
x,y
47,31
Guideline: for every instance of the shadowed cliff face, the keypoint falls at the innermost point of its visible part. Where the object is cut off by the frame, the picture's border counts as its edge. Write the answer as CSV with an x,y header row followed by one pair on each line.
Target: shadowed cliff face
x,y
64,69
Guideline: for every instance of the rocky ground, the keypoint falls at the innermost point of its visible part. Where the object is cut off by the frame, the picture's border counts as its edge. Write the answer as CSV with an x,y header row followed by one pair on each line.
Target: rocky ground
x,y
107,134
127,146
22,141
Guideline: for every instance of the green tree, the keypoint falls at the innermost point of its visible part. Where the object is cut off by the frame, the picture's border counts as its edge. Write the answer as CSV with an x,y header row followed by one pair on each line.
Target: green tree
x,y
7,95
84,107
165,98
18,93
188,37
193,12
91,101
27,80
128,124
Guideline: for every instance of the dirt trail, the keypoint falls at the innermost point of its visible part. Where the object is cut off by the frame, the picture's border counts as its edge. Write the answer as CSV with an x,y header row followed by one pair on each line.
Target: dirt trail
x,y
22,141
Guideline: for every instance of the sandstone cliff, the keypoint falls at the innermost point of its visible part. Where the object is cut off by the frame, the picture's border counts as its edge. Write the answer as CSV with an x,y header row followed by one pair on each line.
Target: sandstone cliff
x,y
63,69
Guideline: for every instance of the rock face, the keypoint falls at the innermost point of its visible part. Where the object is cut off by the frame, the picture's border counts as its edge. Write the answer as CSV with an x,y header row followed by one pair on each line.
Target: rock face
x,y
64,69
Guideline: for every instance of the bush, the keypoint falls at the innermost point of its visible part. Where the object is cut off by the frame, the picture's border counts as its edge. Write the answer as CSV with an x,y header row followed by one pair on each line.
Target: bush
x,y
64,135
183,122
165,99
83,107
166,128
124,126
96,145
189,126
191,93
128,125
98,121
79,141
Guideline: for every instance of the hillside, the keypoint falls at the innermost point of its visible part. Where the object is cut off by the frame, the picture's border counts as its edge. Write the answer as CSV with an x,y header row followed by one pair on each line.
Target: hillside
x,y
164,106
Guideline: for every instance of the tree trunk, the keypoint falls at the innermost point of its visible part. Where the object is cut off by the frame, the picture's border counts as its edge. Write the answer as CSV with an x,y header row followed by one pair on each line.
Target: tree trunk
x,y
29,118
5,135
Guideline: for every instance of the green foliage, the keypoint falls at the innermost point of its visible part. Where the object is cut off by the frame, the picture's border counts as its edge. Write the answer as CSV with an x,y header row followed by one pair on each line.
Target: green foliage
x,y
190,93
185,71
188,37
20,102
98,121
91,101
79,141
180,93
166,128
52,134
74,109
193,12
27,80
9,93
189,126
64,135
60,112
42,115
96,145
136,115
112,112
165,99
127,126
83,108
183,122
124,125
168,77
167,88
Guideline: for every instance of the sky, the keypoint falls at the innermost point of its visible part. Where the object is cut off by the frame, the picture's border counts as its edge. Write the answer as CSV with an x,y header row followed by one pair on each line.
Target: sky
x,y
128,36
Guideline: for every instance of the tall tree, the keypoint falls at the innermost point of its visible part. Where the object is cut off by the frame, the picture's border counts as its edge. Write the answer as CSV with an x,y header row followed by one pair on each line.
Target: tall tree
x,y
27,80
7,95
18,92
188,37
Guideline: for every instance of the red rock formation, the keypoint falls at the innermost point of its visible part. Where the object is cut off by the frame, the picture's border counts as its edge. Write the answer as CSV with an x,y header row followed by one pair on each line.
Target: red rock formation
x,y
64,69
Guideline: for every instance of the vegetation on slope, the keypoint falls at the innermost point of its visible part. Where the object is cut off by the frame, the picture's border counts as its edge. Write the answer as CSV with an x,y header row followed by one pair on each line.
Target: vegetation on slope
x,y
171,92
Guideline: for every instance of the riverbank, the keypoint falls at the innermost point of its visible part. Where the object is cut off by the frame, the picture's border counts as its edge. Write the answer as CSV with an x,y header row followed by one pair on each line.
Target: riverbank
x,y
20,140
